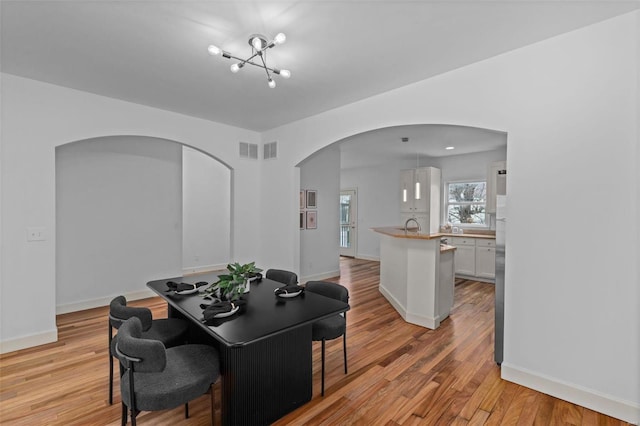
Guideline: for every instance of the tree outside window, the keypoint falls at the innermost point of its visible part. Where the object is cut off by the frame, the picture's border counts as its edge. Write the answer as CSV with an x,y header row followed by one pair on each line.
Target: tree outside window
x,y
466,203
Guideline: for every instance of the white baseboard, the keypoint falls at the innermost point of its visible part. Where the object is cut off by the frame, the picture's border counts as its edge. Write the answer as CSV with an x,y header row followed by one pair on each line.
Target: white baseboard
x,y
101,301
52,336
367,257
472,278
190,270
393,301
431,323
29,341
596,401
320,277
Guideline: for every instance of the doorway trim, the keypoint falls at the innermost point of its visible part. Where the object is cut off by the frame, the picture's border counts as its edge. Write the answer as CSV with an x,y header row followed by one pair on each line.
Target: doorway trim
x,y
352,226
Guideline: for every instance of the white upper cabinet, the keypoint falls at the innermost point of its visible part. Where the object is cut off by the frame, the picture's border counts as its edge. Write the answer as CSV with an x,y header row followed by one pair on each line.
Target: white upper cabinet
x,y
420,195
496,183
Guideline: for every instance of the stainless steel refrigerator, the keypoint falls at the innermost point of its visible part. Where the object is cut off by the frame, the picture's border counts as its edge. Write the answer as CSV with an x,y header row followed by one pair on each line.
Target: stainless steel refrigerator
x,y
501,225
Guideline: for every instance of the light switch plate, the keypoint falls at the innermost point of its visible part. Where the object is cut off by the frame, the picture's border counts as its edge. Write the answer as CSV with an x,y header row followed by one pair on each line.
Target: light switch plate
x,y
35,233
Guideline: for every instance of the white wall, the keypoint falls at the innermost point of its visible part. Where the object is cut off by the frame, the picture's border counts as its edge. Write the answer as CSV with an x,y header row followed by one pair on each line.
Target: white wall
x,y
570,107
118,218
467,166
378,201
36,118
319,248
206,215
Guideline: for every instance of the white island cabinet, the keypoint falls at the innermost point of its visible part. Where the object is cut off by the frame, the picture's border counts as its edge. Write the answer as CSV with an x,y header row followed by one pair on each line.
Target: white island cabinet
x,y
416,275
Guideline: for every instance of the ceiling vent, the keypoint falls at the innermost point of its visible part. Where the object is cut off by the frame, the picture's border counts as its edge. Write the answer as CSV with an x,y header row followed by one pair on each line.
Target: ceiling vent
x,y
249,150
405,139
270,150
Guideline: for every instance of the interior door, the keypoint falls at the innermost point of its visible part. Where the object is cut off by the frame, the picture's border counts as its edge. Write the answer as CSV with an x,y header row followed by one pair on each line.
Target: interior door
x,y
348,222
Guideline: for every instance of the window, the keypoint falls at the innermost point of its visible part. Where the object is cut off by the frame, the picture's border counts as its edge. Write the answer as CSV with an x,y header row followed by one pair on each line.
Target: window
x,y
466,203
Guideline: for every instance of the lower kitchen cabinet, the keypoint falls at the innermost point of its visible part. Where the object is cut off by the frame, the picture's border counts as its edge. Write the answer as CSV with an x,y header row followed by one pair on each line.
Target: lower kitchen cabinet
x,y
485,259
475,257
465,258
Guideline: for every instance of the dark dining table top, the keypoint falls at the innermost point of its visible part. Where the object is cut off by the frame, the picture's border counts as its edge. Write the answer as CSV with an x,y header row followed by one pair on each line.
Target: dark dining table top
x,y
263,315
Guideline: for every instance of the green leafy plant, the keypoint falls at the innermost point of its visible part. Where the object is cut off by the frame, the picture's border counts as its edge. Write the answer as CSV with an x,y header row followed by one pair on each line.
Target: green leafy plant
x,y
231,286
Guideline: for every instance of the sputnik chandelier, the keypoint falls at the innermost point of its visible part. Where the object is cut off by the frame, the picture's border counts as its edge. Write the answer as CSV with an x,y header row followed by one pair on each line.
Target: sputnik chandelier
x,y
259,46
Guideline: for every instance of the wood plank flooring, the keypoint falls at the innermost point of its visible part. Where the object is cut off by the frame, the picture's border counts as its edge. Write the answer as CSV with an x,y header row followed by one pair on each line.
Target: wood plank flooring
x,y
399,374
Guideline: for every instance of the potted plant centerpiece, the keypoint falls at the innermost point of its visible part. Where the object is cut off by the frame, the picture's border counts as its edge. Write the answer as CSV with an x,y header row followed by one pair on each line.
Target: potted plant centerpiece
x,y
232,285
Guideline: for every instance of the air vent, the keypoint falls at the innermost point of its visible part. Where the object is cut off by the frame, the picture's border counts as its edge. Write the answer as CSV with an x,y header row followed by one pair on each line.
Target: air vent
x,y
249,150
270,150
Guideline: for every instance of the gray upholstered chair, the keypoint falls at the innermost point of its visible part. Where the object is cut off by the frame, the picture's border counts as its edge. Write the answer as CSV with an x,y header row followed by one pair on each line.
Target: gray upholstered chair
x,y
334,326
156,378
169,331
284,277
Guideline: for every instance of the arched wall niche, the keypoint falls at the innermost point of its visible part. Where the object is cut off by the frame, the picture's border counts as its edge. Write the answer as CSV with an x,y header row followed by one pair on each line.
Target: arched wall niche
x,y
132,208
193,146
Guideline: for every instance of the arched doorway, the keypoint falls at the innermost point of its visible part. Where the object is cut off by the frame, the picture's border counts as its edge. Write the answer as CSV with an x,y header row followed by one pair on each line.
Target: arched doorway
x,y
370,162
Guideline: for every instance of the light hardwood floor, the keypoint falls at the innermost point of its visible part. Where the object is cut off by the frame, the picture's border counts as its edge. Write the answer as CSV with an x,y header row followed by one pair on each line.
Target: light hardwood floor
x,y
399,374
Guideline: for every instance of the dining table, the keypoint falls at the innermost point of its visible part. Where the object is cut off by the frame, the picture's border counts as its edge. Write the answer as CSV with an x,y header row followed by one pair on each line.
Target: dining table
x,y
265,347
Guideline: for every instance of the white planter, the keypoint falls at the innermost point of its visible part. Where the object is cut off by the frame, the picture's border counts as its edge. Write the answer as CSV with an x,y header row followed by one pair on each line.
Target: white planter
x,y
247,284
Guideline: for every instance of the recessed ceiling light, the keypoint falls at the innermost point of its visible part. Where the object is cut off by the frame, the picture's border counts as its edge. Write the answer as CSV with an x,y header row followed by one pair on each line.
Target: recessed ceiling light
x,y
450,148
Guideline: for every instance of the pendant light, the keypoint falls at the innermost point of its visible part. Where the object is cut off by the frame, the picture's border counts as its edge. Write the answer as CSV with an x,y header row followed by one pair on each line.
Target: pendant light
x,y
259,46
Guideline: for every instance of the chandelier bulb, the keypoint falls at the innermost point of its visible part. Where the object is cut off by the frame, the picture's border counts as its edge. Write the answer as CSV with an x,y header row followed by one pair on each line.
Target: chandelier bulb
x,y
256,43
235,67
272,83
214,50
280,38
285,73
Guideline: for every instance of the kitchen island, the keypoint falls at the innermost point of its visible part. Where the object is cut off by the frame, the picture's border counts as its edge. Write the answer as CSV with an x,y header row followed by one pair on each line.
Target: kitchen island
x,y
416,275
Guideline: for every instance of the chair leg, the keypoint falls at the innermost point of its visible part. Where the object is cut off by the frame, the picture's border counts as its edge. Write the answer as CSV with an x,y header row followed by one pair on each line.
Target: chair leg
x,y
186,410
344,348
213,405
110,367
322,392
124,414
110,378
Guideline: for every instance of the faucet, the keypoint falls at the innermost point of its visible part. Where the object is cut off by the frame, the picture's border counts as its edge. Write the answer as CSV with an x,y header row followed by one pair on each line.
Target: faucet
x,y
409,220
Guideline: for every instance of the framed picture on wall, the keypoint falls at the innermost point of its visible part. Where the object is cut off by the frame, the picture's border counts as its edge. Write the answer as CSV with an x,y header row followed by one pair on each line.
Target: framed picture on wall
x,y
312,202
302,200
302,220
312,220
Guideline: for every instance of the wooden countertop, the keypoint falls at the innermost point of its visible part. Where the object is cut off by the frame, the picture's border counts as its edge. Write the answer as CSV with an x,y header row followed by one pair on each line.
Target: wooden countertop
x,y
470,235
399,232
445,247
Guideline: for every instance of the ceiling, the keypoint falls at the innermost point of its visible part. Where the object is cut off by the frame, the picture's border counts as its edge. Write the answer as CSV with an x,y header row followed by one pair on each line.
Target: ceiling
x,y
425,141
155,52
